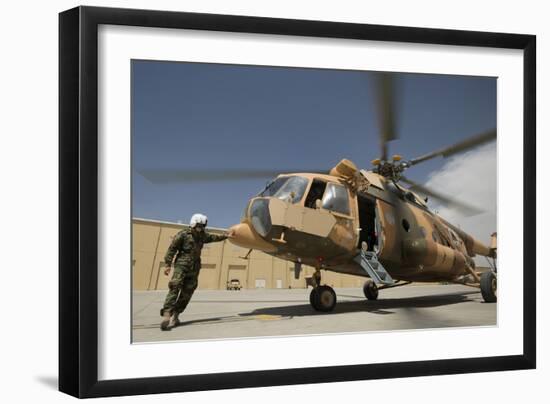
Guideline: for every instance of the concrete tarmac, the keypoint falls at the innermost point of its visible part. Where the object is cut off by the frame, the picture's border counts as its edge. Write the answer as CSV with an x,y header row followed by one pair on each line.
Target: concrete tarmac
x,y
218,314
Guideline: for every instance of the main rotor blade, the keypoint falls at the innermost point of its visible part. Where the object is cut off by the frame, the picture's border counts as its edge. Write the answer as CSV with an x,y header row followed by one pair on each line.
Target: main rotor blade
x,y
385,103
465,209
166,176
459,147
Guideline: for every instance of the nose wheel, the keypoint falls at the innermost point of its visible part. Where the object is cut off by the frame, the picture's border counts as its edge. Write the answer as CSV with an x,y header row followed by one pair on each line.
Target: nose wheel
x,y
323,298
488,286
370,290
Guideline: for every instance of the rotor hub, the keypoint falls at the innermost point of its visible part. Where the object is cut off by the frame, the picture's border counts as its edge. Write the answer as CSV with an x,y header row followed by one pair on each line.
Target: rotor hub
x,y
392,170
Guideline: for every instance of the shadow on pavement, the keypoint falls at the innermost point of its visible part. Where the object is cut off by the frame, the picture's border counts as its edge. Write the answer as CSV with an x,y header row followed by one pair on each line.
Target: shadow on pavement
x,y
383,306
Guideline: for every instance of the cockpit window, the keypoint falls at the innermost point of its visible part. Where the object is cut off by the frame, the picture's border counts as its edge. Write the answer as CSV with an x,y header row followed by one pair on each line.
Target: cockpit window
x,y
316,192
336,199
273,186
293,189
290,189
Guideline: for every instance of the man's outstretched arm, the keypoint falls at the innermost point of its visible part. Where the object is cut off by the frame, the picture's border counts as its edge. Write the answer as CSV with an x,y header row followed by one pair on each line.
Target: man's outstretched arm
x,y
212,238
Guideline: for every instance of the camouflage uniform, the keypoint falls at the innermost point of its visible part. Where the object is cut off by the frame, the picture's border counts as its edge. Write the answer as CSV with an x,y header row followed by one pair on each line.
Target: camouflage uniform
x,y
186,248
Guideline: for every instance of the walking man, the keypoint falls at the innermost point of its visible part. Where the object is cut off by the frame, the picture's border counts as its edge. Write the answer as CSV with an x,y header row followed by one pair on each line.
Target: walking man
x,y
185,253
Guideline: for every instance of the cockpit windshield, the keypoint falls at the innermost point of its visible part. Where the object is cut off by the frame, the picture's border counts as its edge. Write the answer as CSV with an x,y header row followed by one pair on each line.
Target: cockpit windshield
x,y
290,189
273,186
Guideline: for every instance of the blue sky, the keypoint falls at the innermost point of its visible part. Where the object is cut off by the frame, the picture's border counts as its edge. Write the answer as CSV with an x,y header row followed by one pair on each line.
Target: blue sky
x,y
196,116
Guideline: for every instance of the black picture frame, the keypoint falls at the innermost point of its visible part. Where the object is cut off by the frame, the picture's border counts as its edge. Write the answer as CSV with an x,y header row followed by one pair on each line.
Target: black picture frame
x,y
78,201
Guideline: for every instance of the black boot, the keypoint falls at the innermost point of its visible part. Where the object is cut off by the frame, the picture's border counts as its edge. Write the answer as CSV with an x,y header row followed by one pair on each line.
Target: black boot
x,y
165,323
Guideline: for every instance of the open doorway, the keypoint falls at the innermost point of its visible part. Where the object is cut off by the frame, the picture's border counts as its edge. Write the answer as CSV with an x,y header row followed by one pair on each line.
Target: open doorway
x,y
367,223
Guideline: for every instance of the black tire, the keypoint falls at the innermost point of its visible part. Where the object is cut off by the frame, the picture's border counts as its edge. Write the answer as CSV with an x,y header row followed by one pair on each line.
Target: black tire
x,y
488,285
312,298
324,298
370,290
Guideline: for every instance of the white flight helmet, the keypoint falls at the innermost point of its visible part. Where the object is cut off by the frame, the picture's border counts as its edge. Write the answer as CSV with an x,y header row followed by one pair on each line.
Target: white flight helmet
x,y
198,218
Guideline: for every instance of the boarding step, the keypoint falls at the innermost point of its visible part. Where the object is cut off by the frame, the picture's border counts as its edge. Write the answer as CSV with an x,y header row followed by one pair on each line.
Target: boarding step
x,y
374,268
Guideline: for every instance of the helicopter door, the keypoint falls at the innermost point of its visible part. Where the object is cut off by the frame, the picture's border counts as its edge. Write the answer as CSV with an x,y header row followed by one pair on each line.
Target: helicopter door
x,y
368,223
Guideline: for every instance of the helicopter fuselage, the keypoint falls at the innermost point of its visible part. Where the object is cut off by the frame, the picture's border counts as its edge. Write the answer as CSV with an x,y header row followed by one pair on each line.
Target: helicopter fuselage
x,y
325,220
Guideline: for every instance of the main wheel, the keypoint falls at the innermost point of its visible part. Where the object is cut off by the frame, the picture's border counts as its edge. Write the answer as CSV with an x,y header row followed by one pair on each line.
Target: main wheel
x,y
312,298
488,285
370,290
323,298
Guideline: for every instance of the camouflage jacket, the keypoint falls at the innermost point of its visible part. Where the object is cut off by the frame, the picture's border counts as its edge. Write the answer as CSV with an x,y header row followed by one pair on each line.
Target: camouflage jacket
x,y
186,247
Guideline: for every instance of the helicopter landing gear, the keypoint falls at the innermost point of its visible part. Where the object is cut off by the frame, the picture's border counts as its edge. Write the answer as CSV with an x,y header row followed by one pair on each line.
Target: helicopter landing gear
x,y
488,286
323,298
370,290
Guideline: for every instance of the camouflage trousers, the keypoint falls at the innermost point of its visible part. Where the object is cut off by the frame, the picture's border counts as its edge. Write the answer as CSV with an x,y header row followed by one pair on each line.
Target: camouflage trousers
x,y
181,287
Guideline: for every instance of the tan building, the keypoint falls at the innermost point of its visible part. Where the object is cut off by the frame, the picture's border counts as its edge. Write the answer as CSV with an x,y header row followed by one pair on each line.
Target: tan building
x,y
221,262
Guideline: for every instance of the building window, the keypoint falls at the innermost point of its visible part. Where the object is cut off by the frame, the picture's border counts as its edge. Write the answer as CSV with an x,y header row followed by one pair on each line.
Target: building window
x,y
241,267
208,266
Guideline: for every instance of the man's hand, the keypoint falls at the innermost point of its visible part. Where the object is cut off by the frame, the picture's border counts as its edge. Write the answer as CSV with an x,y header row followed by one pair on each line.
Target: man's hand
x,y
167,269
230,234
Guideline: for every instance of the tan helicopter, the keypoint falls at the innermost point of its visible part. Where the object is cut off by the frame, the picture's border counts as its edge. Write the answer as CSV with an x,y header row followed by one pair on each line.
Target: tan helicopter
x,y
360,223
366,223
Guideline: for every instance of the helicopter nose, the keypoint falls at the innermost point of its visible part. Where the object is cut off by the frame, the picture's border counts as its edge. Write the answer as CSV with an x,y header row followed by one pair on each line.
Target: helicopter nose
x,y
244,236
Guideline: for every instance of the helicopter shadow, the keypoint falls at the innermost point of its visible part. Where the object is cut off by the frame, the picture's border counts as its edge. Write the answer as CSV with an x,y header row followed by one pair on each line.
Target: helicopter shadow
x,y
381,307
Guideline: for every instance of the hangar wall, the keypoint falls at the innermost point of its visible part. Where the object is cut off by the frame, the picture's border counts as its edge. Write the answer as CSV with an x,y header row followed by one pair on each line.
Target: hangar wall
x,y
221,262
